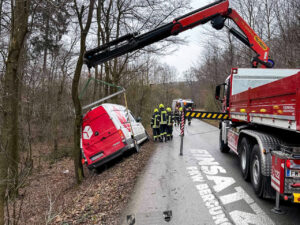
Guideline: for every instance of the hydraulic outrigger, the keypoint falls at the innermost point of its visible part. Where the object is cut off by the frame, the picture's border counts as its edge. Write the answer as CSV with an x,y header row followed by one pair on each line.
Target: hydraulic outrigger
x,y
216,12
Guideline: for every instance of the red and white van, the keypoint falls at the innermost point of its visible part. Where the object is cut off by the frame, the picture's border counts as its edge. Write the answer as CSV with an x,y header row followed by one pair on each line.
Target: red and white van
x,y
106,133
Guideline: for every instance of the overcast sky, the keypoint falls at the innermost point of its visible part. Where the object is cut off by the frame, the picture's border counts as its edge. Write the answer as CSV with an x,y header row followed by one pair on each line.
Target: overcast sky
x,y
187,55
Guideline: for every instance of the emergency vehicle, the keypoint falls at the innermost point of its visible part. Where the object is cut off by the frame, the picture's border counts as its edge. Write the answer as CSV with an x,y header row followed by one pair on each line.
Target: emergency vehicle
x,y
184,103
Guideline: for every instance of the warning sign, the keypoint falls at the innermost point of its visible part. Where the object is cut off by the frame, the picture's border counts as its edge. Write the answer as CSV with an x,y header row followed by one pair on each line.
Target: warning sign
x,y
207,115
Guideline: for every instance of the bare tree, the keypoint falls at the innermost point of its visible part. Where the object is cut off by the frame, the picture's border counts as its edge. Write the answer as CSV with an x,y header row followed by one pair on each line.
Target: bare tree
x,y
84,29
9,154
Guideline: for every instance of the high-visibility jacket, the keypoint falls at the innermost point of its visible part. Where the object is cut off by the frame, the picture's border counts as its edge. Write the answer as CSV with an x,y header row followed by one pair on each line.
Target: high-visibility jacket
x,y
163,116
155,121
170,119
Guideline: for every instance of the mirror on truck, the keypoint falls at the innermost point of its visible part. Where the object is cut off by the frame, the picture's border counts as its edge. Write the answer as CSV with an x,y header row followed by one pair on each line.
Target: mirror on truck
x,y
139,119
219,94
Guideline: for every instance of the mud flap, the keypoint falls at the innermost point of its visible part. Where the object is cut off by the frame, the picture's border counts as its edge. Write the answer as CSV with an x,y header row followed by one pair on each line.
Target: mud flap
x,y
268,191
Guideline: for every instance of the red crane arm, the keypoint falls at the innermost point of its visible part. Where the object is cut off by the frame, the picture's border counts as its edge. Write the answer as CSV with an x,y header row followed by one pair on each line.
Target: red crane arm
x,y
216,12
256,44
200,17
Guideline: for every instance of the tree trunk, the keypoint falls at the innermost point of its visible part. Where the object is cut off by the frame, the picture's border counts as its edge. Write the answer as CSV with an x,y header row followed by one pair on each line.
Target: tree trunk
x,y
9,157
56,112
77,123
3,177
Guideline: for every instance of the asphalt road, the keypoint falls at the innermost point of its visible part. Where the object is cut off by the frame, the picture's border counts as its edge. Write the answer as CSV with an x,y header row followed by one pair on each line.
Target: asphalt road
x,y
201,187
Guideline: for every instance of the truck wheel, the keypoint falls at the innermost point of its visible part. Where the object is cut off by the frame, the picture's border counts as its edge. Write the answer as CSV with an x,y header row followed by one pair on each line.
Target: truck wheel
x,y
255,171
223,147
244,154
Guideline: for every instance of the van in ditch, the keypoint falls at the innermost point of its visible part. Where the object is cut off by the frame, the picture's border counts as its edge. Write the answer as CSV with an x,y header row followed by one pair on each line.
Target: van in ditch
x,y
107,132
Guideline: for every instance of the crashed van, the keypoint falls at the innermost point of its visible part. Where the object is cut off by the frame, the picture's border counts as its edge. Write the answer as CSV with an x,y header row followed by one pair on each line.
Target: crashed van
x,y
107,132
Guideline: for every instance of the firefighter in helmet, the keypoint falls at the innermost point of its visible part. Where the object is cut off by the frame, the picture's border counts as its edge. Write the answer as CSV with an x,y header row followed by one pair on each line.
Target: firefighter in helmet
x,y
155,124
189,109
170,122
176,114
163,123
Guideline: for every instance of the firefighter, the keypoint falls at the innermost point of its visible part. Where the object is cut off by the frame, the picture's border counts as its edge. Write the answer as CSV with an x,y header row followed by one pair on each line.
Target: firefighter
x,y
170,123
189,109
177,114
163,123
155,124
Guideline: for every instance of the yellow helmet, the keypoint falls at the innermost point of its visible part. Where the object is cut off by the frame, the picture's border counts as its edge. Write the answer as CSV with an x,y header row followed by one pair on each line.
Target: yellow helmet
x,y
169,109
180,109
161,106
155,110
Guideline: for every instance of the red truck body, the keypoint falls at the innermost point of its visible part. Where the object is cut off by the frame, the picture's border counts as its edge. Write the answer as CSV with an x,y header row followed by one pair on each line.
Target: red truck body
x,y
264,128
270,103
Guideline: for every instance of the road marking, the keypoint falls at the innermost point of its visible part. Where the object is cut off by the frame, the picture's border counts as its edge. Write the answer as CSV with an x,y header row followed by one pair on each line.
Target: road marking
x,y
221,182
209,171
212,204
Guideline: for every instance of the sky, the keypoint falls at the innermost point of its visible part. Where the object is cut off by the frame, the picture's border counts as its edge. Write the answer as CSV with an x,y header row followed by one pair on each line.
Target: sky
x,y
187,55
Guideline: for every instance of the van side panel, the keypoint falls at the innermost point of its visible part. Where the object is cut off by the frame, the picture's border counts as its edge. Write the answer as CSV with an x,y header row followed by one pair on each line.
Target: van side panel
x,y
100,137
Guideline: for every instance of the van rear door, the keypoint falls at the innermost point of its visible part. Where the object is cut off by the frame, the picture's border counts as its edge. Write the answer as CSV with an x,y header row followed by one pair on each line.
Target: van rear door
x,y
100,137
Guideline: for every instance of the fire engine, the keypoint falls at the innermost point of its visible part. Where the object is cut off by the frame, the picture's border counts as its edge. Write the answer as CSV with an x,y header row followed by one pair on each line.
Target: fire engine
x,y
261,106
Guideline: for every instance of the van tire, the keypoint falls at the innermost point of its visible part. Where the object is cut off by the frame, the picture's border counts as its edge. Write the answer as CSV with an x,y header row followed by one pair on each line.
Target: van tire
x,y
136,146
148,136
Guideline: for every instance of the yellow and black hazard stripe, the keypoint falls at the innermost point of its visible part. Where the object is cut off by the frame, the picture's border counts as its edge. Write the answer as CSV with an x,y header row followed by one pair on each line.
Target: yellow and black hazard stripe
x,y
207,115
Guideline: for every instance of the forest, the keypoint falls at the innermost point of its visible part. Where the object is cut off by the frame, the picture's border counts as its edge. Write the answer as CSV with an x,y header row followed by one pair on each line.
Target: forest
x,y
42,78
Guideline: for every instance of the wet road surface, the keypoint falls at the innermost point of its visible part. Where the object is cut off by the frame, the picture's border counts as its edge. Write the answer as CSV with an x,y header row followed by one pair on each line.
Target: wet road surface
x,y
201,187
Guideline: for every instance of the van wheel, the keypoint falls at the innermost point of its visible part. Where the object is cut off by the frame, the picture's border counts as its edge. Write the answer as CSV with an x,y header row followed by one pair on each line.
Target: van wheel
x,y
244,154
223,147
148,136
255,171
136,146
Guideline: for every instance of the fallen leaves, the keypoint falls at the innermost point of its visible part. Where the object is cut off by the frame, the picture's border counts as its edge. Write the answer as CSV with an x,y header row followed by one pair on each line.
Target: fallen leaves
x,y
100,199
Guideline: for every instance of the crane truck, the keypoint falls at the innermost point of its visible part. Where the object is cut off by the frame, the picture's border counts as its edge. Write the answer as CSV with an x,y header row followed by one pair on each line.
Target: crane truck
x,y
261,106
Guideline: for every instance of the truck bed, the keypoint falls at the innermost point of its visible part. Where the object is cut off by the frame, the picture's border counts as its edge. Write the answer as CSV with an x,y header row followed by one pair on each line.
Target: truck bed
x,y
275,104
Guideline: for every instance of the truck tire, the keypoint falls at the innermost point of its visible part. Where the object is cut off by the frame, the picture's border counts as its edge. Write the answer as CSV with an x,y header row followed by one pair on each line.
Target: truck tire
x,y
255,171
244,155
223,147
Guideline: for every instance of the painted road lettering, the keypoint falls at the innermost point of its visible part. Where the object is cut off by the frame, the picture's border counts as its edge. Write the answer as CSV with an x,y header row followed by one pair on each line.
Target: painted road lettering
x,y
221,183
213,205
240,194
211,172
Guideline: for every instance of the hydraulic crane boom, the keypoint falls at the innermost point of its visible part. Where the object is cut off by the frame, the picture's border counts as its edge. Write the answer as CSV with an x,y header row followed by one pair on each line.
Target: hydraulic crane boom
x,y
216,12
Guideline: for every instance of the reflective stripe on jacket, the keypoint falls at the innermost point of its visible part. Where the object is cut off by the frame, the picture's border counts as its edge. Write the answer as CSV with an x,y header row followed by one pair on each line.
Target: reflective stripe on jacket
x,y
163,116
155,120
170,119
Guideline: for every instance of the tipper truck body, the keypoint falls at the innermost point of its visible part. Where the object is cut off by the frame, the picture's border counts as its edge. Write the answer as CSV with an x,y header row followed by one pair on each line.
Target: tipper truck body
x,y
264,126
